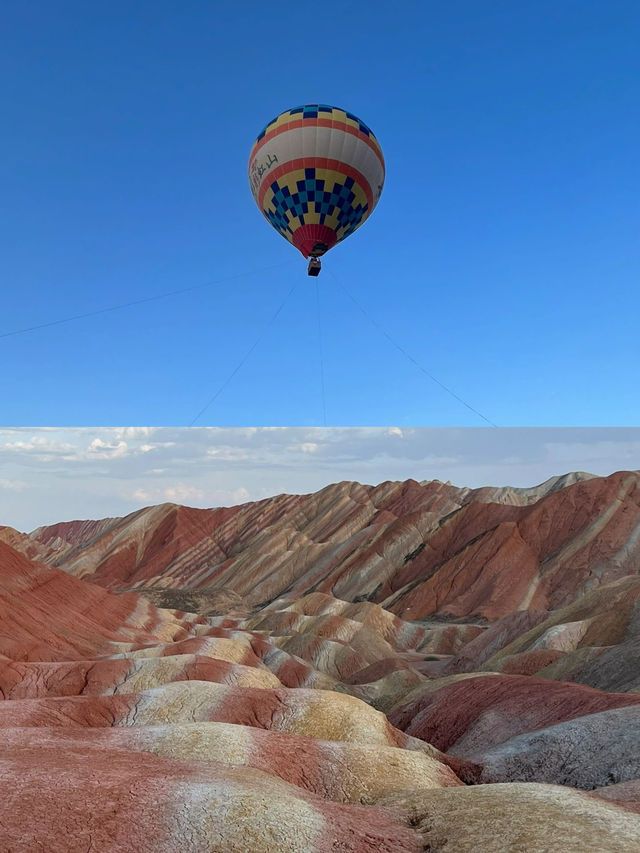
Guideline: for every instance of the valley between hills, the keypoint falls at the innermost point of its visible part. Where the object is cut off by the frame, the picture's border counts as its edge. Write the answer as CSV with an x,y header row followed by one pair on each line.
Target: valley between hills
x,y
402,667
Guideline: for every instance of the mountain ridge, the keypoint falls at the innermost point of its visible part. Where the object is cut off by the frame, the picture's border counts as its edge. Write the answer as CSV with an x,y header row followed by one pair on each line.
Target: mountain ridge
x,y
377,668
419,549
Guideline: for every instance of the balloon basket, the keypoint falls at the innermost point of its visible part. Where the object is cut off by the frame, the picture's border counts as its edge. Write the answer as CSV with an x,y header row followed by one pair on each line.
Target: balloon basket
x,y
314,267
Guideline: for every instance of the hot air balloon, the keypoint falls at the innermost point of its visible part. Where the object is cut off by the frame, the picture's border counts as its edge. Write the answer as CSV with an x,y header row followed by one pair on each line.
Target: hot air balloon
x,y
316,172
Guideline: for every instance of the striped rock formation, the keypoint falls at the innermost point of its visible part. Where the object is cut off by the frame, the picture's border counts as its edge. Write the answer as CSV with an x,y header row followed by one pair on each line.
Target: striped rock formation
x,y
396,668
417,549
111,742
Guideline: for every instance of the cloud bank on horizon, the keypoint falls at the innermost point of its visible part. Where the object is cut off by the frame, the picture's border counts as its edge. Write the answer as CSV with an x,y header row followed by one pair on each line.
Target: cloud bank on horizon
x,y
50,474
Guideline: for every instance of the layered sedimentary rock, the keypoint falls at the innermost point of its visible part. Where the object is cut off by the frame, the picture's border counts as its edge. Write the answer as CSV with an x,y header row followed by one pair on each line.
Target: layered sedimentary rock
x,y
417,549
117,735
402,667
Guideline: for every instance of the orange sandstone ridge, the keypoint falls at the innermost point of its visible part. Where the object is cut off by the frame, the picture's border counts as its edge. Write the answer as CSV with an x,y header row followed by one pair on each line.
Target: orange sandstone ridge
x,y
406,667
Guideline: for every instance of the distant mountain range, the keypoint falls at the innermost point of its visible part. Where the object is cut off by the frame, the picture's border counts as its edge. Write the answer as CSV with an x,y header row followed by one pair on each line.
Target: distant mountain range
x,y
418,549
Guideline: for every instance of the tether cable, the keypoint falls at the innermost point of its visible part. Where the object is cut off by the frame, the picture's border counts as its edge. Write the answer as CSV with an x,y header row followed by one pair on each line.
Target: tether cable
x,y
141,301
324,403
245,357
410,357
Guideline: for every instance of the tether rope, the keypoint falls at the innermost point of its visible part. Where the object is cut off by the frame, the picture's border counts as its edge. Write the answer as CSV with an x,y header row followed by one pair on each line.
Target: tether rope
x,y
245,357
324,403
410,357
141,301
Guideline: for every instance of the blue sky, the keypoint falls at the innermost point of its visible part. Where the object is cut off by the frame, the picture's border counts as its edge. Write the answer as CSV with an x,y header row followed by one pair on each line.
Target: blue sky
x,y
503,255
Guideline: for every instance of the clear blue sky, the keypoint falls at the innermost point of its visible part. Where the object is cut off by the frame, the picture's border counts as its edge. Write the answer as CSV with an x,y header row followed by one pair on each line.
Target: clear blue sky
x,y
503,255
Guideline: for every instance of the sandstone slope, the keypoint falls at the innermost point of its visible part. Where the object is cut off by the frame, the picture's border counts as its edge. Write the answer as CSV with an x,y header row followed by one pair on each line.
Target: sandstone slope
x,y
410,666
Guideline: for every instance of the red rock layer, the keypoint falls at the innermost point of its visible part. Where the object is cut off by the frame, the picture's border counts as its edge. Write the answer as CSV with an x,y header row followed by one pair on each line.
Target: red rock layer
x,y
265,727
46,614
476,713
417,548
56,800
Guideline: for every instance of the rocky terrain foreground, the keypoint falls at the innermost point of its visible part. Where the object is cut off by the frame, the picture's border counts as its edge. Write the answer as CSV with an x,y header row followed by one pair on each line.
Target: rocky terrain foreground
x,y
405,667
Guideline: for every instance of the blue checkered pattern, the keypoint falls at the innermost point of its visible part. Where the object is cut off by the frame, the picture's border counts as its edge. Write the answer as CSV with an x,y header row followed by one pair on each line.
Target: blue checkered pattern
x,y
325,202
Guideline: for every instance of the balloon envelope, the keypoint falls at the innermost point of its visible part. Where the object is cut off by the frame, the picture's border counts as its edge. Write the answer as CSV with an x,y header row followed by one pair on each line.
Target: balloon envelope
x,y
316,172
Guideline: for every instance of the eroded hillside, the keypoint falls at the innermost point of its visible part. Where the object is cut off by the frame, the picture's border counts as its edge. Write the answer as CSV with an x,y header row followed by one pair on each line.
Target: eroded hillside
x,y
402,667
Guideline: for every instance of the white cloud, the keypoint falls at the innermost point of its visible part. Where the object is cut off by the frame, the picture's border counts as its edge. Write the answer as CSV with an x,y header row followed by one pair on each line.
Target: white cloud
x,y
148,448
134,433
181,493
12,485
104,450
176,493
51,475
227,453
38,447
186,494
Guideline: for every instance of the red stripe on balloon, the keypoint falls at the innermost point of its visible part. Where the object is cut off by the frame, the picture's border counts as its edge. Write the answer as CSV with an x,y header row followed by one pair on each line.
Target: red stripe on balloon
x,y
317,122
316,163
306,237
